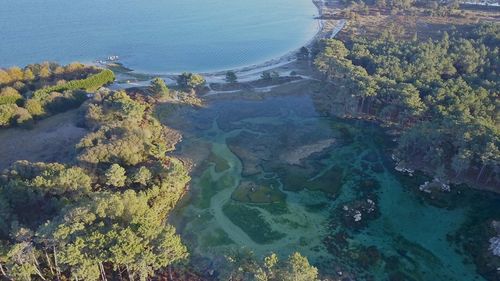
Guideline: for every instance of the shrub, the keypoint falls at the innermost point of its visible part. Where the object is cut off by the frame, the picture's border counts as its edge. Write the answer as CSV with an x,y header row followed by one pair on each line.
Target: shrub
x,y
23,118
159,88
34,107
4,77
142,176
231,77
190,80
7,111
115,176
9,95
91,84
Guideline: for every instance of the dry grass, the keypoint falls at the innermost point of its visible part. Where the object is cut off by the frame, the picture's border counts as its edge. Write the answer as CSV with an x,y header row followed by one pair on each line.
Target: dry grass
x,y
405,24
51,140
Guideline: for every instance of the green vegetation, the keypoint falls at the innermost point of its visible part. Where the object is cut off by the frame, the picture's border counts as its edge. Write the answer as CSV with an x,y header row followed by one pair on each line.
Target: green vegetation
x,y
296,178
159,88
303,54
190,81
231,77
442,95
220,163
295,268
102,216
40,90
256,190
210,187
217,238
90,84
252,223
269,75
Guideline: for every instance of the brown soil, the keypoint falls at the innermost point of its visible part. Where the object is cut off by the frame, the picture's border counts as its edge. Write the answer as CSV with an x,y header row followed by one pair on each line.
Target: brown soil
x,y
51,140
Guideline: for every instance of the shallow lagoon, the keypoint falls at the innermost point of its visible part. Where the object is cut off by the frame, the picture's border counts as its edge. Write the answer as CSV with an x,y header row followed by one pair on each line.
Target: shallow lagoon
x,y
154,35
244,195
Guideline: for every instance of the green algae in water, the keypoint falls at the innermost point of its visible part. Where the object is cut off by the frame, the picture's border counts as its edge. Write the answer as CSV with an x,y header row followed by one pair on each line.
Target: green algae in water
x,y
220,163
412,237
210,187
251,221
216,238
275,208
258,190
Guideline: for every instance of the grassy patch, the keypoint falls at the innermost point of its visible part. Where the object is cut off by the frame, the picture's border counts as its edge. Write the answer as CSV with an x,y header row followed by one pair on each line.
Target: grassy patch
x,y
251,222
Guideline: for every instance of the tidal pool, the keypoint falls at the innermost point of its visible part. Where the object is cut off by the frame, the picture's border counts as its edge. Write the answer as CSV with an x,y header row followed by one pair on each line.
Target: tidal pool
x,y
273,175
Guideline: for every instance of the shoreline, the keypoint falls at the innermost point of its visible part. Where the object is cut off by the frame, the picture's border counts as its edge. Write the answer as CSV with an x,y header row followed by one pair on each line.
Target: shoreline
x,y
246,73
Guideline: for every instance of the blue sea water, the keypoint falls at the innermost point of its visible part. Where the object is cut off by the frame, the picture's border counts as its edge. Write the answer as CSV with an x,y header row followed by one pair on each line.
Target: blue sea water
x,y
154,35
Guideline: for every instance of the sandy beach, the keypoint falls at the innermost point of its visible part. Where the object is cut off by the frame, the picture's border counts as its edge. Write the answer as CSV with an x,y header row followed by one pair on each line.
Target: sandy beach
x,y
281,64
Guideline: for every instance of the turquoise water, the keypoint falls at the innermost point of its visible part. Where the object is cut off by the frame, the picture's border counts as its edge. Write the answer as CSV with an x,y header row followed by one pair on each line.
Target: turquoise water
x,y
251,192
154,35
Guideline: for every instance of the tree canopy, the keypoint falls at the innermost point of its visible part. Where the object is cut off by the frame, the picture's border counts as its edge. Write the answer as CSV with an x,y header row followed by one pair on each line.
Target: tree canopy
x,y
104,215
443,95
40,90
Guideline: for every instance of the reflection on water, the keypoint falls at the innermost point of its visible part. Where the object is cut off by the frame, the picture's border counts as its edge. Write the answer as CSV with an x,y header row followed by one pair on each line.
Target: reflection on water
x,y
275,176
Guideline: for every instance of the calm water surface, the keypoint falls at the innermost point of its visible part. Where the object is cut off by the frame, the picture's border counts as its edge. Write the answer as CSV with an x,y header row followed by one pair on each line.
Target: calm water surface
x,y
250,193
154,35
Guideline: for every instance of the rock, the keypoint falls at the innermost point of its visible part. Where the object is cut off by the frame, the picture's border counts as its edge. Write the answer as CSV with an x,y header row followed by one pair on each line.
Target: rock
x,y
435,185
357,216
399,167
358,213
425,187
495,245
496,226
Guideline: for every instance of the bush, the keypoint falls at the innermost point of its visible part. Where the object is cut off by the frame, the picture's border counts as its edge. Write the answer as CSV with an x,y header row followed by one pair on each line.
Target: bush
x,y
9,95
4,77
115,176
23,118
159,88
7,111
34,107
58,102
91,84
231,77
190,80
269,75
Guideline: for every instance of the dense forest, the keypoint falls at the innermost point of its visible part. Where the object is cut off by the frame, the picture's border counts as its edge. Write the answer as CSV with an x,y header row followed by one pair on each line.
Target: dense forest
x,y
40,90
443,95
102,214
